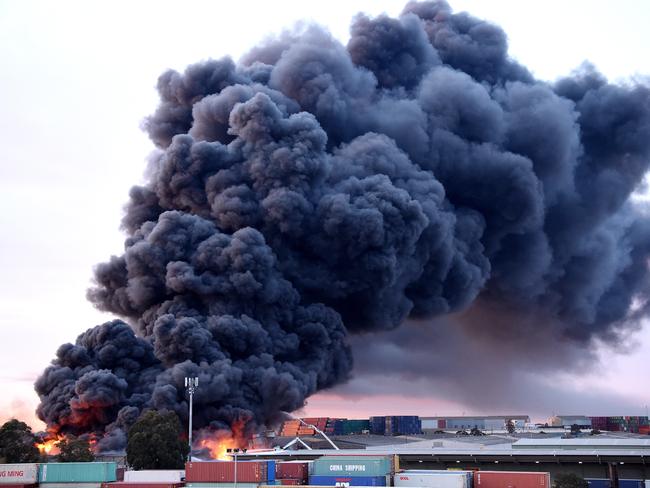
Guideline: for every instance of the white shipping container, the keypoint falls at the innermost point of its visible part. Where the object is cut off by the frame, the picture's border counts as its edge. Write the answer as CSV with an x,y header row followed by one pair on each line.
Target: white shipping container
x,y
647,483
155,476
434,479
19,474
430,423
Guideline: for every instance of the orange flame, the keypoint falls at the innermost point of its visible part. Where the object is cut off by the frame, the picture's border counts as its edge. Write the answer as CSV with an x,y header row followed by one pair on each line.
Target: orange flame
x,y
217,443
49,444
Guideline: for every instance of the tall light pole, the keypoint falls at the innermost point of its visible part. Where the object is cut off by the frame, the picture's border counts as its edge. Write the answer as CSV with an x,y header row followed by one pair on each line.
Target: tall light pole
x,y
234,452
191,384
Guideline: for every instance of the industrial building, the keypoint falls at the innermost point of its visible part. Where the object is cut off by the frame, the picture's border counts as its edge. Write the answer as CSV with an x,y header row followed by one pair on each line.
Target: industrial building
x,y
485,422
591,457
581,421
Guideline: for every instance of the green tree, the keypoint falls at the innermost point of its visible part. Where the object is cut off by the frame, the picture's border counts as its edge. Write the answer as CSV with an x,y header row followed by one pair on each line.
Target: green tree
x,y
18,443
510,426
569,480
75,450
155,441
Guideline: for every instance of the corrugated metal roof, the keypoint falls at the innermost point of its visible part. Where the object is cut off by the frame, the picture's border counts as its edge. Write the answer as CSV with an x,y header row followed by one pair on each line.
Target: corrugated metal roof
x,y
589,443
481,451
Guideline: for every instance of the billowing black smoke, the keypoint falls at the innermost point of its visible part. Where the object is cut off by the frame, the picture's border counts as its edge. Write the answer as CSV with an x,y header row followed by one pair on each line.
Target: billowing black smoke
x,y
315,190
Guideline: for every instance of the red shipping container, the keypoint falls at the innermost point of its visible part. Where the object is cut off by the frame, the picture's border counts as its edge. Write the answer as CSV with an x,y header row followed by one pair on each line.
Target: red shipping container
x,y
297,471
13,485
288,482
224,472
511,479
126,484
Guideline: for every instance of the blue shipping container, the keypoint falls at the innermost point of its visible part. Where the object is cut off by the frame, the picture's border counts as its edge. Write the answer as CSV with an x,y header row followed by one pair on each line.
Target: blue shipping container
x,y
378,425
348,480
270,471
604,483
630,483
597,482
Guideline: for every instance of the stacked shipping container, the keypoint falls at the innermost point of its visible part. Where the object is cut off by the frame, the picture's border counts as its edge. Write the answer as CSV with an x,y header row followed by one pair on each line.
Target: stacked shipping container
x,y
633,424
347,427
319,422
355,426
290,428
292,472
352,471
378,425
293,428
334,426
396,425
222,474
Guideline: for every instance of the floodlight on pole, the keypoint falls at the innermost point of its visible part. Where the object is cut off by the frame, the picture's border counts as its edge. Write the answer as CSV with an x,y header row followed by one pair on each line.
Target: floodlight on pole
x,y
234,452
191,384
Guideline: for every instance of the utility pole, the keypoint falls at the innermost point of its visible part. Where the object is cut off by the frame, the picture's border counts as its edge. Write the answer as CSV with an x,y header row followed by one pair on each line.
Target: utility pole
x,y
191,384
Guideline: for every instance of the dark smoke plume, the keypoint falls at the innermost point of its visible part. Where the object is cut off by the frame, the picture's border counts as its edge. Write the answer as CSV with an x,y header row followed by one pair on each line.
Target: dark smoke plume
x,y
316,190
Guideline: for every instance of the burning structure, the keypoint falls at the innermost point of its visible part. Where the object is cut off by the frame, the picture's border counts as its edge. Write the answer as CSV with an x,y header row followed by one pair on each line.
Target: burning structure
x,y
316,190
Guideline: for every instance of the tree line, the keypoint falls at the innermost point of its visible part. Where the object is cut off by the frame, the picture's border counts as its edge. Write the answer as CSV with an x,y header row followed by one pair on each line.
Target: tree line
x,y
155,441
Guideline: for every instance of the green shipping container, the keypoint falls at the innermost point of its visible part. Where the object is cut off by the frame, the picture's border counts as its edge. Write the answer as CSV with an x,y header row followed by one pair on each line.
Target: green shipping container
x,y
77,472
353,466
355,426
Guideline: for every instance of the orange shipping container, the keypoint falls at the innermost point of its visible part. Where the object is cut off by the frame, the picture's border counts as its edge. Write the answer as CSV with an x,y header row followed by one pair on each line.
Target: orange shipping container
x,y
511,479
224,472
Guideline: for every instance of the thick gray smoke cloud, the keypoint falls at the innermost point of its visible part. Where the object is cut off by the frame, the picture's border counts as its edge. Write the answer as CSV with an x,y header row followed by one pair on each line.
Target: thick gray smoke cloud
x,y
511,365
316,190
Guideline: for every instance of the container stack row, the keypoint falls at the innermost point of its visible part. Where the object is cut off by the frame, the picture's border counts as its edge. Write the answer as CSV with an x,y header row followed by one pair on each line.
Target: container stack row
x,y
396,425
347,426
389,425
640,425
290,428
335,470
